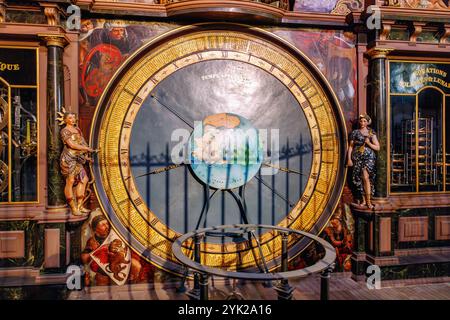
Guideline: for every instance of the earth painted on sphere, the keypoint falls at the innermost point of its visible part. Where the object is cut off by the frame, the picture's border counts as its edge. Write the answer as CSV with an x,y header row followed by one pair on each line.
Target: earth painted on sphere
x,y
225,150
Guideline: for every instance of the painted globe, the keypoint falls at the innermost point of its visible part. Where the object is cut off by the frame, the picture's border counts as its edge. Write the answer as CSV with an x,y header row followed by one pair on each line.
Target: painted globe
x,y
225,150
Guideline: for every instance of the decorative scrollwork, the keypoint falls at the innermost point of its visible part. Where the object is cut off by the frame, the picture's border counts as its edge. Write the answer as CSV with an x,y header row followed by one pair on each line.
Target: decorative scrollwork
x,y
3,176
418,4
282,4
3,112
344,7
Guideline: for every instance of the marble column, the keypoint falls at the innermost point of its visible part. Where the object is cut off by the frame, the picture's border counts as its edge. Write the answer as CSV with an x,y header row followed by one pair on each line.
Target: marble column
x,y
377,109
55,102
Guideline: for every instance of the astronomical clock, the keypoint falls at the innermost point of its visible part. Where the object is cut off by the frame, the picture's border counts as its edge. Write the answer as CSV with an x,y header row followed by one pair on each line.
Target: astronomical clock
x,y
158,174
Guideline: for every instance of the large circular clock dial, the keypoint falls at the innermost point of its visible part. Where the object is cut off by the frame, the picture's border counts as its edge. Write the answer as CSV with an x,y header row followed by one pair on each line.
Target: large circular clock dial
x,y
176,98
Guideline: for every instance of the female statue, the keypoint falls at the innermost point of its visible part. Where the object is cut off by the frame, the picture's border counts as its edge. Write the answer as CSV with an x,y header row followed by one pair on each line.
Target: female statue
x,y
73,158
361,156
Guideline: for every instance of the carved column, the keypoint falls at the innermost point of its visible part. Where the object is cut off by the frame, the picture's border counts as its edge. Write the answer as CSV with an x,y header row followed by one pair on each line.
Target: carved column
x,y
55,102
377,109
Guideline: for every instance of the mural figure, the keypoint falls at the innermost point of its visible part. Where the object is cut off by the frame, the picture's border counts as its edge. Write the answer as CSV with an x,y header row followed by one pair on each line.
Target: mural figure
x,y
361,156
104,45
335,55
315,5
74,157
86,28
340,234
118,34
339,67
101,63
107,257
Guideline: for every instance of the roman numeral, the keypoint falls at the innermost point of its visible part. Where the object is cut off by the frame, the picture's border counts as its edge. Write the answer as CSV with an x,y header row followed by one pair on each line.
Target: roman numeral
x,y
305,104
138,100
175,65
326,135
123,151
154,80
199,56
298,75
305,198
224,54
291,84
154,222
314,176
127,124
138,201
128,91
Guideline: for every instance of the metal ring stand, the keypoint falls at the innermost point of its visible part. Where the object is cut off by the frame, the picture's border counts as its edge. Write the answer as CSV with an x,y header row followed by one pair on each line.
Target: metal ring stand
x,y
201,276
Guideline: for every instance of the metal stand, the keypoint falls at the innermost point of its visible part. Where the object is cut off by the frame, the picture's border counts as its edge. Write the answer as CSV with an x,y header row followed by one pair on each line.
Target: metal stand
x,y
204,283
195,293
284,290
205,208
325,283
202,271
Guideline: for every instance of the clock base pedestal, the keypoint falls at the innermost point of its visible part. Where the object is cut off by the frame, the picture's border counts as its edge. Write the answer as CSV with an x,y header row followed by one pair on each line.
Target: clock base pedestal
x,y
284,290
194,294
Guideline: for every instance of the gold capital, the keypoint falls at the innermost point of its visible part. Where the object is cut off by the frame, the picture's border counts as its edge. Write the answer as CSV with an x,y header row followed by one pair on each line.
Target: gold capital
x,y
54,40
379,53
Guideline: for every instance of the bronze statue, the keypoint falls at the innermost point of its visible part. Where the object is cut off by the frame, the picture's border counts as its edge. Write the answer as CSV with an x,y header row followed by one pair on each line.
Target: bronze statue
x,y
73,159
361,156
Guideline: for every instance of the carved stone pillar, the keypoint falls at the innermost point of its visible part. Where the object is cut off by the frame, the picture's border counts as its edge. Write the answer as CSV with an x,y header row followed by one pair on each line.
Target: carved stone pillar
x,y
377,109
55,102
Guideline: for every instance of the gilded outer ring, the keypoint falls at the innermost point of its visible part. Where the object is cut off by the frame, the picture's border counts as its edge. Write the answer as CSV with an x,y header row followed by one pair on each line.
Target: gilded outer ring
x,y
140,227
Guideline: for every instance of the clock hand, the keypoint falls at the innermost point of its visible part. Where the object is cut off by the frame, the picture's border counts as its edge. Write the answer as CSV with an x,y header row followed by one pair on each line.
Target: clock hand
x,y
275,191
160,170
171,110
284,169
